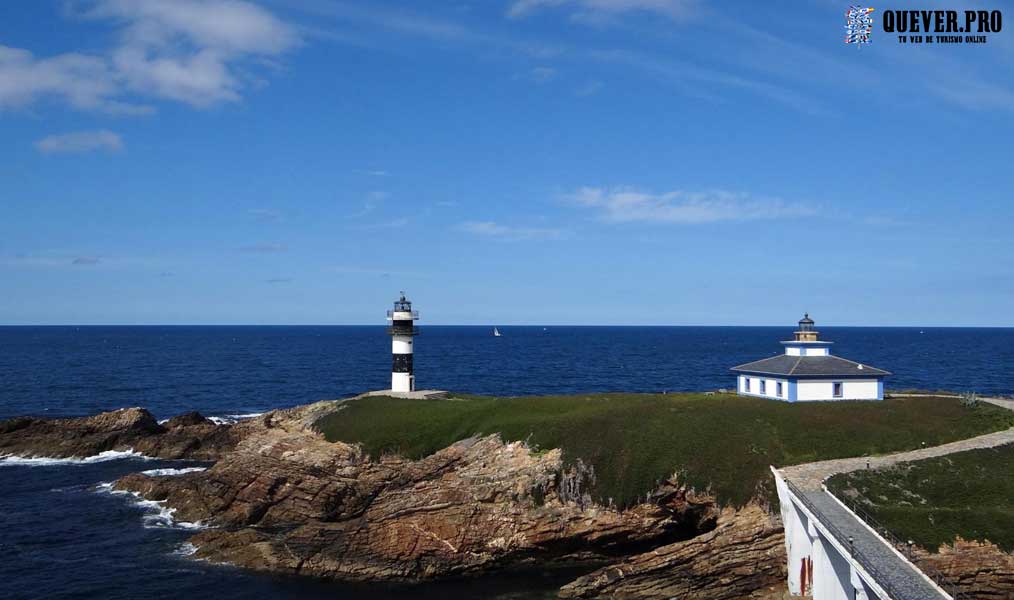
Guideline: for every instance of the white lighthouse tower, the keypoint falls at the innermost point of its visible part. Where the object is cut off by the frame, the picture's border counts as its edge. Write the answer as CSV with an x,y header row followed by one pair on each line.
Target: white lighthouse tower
x,y
402,330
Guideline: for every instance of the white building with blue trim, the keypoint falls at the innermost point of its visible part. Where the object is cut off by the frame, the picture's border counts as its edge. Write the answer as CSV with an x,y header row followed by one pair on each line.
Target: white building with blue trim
x,y
808,372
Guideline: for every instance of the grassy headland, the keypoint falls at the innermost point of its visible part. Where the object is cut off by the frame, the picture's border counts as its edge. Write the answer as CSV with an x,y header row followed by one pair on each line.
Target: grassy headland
x,y
634,441
931,501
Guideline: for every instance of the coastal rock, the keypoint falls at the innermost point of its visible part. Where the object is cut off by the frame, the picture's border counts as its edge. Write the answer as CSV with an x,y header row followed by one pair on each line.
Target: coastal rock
x,y
192,437
281,498
288,500
742,557
979,569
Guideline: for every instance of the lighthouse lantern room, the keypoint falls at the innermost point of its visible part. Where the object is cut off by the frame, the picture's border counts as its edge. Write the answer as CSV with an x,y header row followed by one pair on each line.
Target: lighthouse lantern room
x,y
402,330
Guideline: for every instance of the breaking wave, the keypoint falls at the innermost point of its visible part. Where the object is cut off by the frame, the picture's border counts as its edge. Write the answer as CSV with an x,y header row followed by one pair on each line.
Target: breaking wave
x,y
44,461
157,514
185,549
171,472
230,419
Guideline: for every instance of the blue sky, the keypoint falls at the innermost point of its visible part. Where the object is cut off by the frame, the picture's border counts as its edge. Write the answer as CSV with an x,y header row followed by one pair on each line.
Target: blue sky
x,y
503,161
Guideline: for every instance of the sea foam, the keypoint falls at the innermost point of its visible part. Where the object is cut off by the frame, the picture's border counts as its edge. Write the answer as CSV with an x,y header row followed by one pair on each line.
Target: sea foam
x,y
11,460
185,549
157,514
171,472
231,419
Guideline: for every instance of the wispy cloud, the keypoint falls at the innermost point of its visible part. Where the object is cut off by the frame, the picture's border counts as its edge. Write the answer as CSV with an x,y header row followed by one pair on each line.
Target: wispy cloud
x,y
374,271
265,214
197,52
692,78
377,173
627,205
598,10
278,280
373,200
264,248
492,229
392,224
80,141
702,82
63,260
589,89
542,75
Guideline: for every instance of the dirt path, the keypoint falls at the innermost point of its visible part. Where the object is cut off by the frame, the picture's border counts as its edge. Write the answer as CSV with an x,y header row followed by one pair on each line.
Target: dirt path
x,y
810,476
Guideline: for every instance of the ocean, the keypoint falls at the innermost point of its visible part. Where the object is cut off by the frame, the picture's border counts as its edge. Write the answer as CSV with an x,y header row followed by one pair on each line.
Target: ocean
x,y
64,535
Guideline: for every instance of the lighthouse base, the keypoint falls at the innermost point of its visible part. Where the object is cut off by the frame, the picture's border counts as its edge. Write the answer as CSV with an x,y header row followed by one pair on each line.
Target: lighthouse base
x,y
402,382
413,395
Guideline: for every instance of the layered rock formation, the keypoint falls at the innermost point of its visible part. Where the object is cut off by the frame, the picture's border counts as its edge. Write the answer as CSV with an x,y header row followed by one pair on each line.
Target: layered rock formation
x,y
743,557
189,436
979,569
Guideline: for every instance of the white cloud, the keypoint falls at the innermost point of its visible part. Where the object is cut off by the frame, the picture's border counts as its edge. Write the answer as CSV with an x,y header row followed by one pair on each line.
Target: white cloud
x,y
85,82
193,51
626,205
188,50
229,26
495,230
596,10
80,141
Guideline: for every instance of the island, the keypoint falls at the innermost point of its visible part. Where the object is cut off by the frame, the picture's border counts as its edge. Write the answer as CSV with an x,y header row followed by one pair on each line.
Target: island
x,y
656,495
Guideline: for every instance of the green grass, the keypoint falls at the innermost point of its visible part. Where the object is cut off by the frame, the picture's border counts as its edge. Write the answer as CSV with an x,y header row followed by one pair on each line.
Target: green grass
x,y
636,440
931,501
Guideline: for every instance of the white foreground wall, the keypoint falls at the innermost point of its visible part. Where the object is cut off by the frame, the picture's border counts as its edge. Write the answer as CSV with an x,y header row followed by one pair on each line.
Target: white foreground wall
x,y
817,564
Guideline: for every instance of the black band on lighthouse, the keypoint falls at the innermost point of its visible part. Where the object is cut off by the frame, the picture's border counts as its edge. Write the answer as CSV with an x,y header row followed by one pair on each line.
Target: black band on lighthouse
x,y
402,328
402,363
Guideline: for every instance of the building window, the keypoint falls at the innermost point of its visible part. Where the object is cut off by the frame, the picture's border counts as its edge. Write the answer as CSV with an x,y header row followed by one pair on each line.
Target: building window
x,y
764,386
746,384
838,390
778,389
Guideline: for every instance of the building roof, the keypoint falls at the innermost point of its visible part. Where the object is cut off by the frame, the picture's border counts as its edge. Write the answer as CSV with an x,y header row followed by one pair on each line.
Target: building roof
x,y
810,366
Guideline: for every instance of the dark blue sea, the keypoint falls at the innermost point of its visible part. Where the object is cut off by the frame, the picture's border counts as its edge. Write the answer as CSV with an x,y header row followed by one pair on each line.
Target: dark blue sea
x,y
63,536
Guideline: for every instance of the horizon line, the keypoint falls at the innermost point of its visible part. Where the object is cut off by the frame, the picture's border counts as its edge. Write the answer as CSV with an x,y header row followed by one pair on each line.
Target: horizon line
x,y
380,325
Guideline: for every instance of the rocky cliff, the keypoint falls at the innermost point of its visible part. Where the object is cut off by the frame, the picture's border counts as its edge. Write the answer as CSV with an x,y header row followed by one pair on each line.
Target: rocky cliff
x,y
742,557
187,436
281,498
979,569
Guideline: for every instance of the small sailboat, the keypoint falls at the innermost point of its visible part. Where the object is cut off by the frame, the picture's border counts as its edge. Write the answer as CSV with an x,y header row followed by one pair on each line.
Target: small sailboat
x,y
496,332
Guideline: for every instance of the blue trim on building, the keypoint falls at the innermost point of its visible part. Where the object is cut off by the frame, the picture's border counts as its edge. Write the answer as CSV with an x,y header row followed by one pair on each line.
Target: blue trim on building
x,y
880,389
792,391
